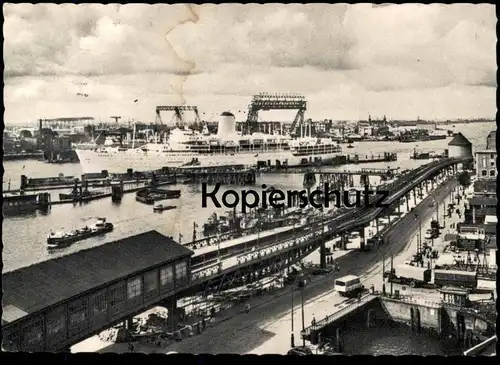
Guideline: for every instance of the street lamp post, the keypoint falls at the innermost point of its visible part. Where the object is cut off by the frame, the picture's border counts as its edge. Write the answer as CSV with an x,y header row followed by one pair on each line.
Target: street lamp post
x,y
444,211
218,249
303,318
419,239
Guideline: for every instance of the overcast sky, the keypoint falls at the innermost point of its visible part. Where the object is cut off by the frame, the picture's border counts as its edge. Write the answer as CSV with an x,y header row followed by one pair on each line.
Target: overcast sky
x,y
405,61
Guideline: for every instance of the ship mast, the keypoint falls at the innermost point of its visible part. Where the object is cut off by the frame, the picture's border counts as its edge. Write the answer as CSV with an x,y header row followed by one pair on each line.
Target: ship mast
x,y
133,137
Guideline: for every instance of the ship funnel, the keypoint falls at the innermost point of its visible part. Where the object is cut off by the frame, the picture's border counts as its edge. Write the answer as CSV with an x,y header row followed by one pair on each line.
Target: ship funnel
x,y
227,125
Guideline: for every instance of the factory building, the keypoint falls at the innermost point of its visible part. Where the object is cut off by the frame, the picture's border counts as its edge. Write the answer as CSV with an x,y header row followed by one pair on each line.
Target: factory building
x,y
486,161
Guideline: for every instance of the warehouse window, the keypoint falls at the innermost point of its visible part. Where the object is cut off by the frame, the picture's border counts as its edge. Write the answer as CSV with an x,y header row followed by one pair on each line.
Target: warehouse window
x,y
134,288
150,281
11,342
116,295
33,333
99,303
55,326
492,172
77,312
181,271
167,276
484,173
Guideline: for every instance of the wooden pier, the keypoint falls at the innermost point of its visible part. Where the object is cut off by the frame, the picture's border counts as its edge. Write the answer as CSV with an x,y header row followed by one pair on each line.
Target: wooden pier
x,y
129,182
23,156
337,161
221,177
382,157
116,193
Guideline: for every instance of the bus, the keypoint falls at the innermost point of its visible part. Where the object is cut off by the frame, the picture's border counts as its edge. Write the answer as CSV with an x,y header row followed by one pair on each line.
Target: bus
x,y
348,286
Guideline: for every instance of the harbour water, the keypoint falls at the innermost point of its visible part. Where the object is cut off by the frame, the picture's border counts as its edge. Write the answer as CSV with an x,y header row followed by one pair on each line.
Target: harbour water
x,y
24,237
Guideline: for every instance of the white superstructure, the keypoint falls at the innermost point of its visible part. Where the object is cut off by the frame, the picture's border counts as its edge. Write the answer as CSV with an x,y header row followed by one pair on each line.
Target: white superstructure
x,y
228,147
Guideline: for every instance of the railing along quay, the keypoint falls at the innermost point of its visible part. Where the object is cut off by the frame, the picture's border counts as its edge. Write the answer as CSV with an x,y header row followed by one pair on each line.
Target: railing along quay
x,y
338,314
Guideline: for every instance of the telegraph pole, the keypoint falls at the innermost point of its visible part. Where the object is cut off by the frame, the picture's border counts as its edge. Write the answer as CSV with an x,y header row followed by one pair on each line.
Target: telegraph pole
x,y
292,338
392,267
383,268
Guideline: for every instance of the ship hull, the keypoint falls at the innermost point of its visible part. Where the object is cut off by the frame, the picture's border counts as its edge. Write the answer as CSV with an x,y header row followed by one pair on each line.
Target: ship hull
x,y
119,161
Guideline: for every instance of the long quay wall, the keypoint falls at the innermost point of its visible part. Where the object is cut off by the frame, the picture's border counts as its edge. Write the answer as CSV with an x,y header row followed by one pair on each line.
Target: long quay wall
x,y
441,317
419,314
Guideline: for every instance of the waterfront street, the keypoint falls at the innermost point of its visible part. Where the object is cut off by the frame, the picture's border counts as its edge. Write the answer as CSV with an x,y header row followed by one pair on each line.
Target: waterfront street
x,y
266,328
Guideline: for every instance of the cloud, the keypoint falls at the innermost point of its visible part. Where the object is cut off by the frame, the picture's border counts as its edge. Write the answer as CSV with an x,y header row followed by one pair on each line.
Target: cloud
x,y
185,54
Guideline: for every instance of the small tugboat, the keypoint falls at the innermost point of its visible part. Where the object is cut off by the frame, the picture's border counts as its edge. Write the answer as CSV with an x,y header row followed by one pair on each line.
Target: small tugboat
x,y
59,239
161,207
350,146
210,227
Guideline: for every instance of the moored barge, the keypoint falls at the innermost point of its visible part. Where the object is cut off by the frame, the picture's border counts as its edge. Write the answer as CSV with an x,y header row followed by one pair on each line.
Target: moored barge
x,y
151,195
59,239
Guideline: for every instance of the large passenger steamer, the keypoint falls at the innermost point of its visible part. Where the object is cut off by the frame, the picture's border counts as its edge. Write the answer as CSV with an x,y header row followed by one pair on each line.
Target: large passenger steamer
x,y
184,147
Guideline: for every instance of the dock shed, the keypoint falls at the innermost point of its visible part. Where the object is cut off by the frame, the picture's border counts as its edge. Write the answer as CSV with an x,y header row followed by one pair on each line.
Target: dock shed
x,y
53,304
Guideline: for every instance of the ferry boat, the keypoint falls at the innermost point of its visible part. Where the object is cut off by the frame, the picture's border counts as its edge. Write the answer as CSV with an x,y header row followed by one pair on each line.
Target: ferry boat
x,y
183,147
59,239
437,134
422,136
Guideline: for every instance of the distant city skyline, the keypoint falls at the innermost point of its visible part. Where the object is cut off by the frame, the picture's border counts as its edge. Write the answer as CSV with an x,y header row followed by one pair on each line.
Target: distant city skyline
x,y
436,62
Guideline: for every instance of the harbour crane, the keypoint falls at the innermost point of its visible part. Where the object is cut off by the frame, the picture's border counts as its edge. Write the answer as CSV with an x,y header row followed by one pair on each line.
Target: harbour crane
x,y
276,101
178,114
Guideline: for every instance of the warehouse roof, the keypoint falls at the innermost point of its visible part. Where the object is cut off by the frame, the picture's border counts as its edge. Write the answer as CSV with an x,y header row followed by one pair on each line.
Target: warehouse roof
x,y
481,186
459,140
33,288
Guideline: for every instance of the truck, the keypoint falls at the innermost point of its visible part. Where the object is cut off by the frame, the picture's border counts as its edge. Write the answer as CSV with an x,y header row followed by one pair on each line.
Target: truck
x,y
457,278
409,275
349,286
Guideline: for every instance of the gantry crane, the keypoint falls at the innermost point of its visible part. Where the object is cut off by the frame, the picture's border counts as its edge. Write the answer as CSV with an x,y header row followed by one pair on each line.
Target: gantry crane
x,y
178,113
270,101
